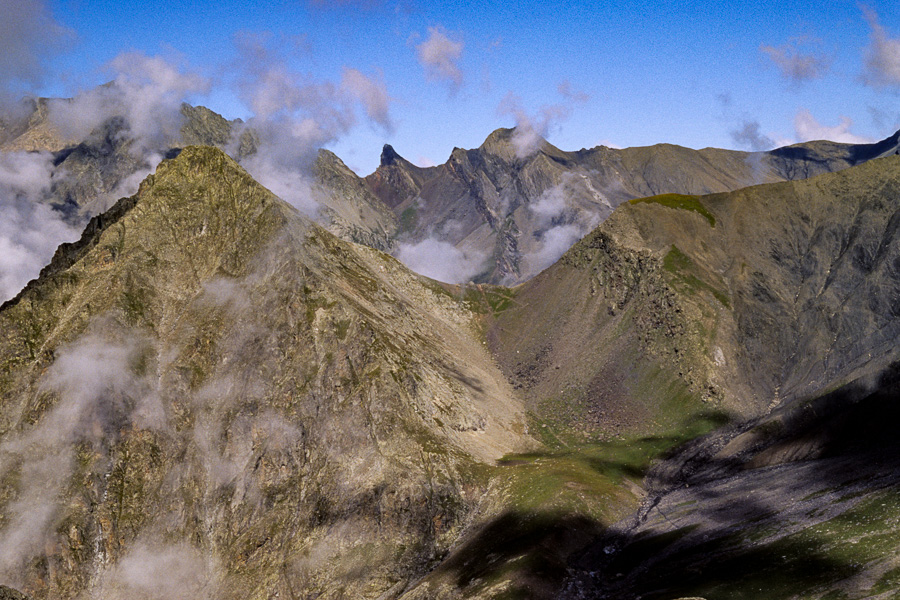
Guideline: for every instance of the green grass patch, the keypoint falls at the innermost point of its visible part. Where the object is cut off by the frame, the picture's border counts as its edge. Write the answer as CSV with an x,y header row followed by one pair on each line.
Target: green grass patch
x,y
408,219
681,201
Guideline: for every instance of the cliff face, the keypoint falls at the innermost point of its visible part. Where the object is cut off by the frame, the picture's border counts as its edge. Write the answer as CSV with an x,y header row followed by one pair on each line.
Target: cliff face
x,y
211,389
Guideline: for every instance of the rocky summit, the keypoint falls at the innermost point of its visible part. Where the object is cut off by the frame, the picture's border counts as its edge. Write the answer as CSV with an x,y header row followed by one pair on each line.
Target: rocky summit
x,y
209,394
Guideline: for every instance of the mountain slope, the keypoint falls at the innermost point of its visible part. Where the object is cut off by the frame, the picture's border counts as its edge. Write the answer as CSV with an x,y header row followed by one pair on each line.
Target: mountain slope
x,y
770,293
211,387
773,307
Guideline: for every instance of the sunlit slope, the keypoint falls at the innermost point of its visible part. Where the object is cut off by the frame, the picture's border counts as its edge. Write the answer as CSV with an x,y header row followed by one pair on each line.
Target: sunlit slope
x,y
209,381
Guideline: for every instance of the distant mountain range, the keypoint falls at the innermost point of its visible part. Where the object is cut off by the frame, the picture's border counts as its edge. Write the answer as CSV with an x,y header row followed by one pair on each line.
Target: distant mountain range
x,y
215,394
510,216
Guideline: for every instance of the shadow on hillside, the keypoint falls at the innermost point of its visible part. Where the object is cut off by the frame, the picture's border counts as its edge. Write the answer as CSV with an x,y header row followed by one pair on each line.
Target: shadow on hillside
x,y
530,549
741,527
728,526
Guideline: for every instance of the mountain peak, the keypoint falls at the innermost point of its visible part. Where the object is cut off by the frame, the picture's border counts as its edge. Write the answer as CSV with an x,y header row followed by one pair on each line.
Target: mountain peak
x,y
389,156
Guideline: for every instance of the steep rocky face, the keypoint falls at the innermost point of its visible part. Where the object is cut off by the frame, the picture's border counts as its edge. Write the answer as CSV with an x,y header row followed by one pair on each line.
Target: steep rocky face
x,y
519,213
210,393
348,207
27,128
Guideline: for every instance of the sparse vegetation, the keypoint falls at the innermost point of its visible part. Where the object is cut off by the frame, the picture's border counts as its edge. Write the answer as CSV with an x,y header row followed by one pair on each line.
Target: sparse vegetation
x,y
680,201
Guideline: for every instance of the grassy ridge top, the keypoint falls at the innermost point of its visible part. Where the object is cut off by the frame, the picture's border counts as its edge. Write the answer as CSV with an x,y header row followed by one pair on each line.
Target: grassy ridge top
x,y
682,201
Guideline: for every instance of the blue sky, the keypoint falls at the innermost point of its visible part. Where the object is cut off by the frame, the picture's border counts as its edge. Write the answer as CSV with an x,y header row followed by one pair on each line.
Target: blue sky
x,y
426,77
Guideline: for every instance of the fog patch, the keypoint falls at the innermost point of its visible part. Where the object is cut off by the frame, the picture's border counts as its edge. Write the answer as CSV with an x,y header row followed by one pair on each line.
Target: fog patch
x,y
441,260
554,243
151,571
30,231
563,220
99,396
550,205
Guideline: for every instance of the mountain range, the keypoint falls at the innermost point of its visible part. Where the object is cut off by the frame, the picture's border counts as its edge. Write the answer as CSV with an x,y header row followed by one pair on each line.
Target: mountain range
x,y
686,388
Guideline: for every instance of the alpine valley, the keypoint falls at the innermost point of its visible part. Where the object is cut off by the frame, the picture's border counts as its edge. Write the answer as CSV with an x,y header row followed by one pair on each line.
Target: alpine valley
x,y
662,373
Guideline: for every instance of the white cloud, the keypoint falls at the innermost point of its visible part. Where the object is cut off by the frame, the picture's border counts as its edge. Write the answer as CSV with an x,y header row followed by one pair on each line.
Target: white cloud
x,y
29,231
99,396
808,129
882,56
284,181
531,130
550,205
441,260
439,55
153,570
146,91
554,244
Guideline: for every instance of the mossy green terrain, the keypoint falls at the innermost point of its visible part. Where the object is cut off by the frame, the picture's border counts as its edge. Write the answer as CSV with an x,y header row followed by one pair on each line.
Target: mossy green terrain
x,y
680,201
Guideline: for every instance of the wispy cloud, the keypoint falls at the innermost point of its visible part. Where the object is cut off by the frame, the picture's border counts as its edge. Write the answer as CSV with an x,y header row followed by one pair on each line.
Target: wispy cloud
x,y
808,128
882,55
441,260
532,129
99,396
751,137
371,93
30,34
161,570
147,91
439,54
795,65
295,114
560,223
